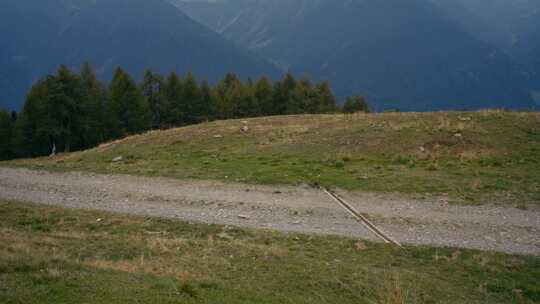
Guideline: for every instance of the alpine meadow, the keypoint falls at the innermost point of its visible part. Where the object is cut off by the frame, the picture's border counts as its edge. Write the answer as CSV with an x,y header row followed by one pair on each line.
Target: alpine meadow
x,y
270,151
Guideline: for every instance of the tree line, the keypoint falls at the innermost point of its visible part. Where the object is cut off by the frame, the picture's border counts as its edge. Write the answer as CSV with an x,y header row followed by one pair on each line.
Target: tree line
x,y
71,111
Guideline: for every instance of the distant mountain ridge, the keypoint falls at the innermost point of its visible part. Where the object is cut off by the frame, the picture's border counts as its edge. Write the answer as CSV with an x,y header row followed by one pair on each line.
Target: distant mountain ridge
x,y
401,54
37,36
411,55
503,23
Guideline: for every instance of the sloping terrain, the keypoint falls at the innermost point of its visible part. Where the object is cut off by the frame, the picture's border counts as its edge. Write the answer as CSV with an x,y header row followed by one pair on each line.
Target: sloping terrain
x,y
54,255
37,36
189,238
499,22
401,54
513,26
282,208
528,51
471,157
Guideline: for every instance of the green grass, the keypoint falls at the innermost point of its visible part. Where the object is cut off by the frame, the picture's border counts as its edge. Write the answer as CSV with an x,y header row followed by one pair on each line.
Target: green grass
x,y
52,255
473,157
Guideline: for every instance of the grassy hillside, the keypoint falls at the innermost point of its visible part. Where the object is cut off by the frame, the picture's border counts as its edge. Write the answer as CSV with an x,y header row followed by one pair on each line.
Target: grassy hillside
x,y
52,255
488,156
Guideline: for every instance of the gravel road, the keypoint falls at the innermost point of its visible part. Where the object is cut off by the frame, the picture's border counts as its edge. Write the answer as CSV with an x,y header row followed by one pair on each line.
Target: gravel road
x,y
298,209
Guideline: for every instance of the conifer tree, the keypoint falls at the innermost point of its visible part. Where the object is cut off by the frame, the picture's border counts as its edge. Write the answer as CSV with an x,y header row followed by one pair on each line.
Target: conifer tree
x,y
6,130
127,107
355,104
360,104
348,106
191,100
22,137
92,131
283,91
53,114
325,99
227,92
207,103
30,136
153,90
279,99
14,116
289,83
76,111
263,94
246,102
173,115
64,109
231,80
302,98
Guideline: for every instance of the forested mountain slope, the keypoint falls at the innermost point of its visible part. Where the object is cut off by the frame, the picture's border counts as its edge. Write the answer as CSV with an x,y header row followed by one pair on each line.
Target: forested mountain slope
x,y
401,54
500,22
37,36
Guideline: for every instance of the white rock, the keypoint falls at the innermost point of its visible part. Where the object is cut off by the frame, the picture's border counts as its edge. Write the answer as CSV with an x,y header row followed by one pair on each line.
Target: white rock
x,y
490,238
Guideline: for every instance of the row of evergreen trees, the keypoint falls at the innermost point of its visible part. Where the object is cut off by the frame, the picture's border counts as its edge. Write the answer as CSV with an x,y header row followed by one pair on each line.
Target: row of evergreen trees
x,y
70,111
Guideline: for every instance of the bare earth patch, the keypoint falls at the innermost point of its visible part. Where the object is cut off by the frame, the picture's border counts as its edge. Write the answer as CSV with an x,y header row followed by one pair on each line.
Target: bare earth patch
x,y
283,208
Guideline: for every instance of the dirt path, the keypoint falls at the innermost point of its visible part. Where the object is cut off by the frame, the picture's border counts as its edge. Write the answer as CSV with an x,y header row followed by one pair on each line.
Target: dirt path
x,y
299,209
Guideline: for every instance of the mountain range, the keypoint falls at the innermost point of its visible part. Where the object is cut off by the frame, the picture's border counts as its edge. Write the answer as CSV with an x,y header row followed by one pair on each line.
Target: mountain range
x,y
411,55
37,36
500,22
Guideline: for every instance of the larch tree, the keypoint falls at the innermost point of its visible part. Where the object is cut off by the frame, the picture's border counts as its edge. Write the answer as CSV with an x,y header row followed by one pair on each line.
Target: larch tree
x,y
348,106
69,111
302,98
6,130
92,131
263,94
207,103
65,113
226,92
325,99
153,89
191,98
127,108
283,91
360,104
246,103
31,136
173,94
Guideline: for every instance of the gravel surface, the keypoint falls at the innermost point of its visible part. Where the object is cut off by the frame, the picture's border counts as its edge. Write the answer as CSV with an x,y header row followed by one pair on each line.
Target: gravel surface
x,y
298,209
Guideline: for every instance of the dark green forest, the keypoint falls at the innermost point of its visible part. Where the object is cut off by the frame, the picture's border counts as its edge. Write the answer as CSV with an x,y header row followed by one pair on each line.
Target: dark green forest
x,y
71,111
